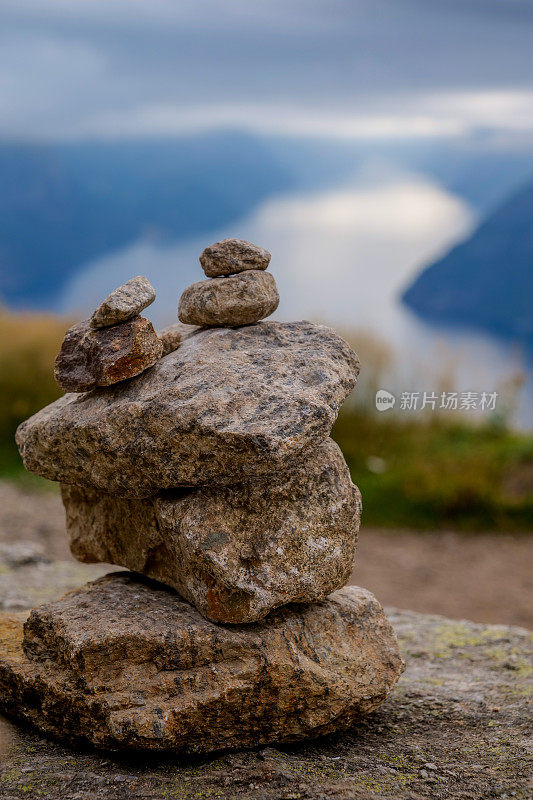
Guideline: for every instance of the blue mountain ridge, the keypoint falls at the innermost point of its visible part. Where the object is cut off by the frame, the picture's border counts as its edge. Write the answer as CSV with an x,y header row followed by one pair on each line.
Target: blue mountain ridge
x,y
485,282
62,205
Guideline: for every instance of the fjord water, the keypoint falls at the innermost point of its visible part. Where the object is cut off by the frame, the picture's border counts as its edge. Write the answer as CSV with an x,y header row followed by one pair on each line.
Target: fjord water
x,y
343,255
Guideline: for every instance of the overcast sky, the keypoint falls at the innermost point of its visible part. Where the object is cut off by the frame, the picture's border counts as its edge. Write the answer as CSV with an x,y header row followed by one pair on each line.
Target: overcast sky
x,y
347,68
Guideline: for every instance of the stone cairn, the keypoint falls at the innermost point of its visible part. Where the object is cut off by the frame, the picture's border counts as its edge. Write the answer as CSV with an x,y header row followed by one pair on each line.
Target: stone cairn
x,y
199,459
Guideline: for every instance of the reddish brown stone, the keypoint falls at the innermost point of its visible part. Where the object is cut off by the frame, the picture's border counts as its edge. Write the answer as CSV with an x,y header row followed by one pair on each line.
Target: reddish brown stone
x,y
91,357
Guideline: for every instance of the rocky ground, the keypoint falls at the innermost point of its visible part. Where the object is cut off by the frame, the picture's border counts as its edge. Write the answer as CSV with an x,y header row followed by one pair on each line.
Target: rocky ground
x,y
456,725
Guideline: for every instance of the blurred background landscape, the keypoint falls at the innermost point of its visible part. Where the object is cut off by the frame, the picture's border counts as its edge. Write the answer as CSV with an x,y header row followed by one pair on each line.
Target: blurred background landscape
x,y
382,151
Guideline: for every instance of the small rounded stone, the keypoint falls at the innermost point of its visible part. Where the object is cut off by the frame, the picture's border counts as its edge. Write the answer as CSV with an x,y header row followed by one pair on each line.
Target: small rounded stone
x,y
237,300
231,256
170,337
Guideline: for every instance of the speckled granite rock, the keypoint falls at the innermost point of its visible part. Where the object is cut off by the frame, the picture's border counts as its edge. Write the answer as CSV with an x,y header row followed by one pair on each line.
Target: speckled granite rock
x,y
91,357
125,665
231,256
237,300
124,303
226,406
234,552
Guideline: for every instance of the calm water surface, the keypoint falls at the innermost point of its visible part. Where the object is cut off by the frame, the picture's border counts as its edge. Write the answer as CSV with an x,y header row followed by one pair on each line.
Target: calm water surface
x,y
343,256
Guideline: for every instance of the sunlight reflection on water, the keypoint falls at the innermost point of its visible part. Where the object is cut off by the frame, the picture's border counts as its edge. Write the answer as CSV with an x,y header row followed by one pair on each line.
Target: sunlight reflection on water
x,y
342,257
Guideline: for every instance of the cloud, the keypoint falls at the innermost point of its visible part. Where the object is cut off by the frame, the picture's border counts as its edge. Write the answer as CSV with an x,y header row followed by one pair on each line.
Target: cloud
x,y
165,120
446,114
375,68
500,109
276,15
41,79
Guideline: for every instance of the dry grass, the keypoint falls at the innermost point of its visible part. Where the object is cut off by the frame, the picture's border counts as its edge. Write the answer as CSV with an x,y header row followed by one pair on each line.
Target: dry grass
x,y
30,343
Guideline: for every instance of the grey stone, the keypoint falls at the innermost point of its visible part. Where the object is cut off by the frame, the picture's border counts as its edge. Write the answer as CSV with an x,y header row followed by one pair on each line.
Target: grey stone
x,y
91,357
235,552
124,303
23,586
226,406
231,256
21,554
238,300
124,664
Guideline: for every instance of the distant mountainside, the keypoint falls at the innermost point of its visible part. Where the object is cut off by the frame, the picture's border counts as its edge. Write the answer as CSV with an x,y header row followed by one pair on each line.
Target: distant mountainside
x,y
487,281
62,205
67,206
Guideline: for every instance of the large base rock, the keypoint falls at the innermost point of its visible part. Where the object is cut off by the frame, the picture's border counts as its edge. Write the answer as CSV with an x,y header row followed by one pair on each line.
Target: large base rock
x,y
235,552
457,726
126,664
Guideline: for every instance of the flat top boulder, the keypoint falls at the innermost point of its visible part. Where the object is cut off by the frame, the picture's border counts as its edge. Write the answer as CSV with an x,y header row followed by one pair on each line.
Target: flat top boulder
x,y
225,406
231,256
125,302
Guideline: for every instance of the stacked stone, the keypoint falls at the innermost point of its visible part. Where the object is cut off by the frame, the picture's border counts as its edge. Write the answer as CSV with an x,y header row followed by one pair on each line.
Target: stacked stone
x,y
212,474
238,290
115,344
